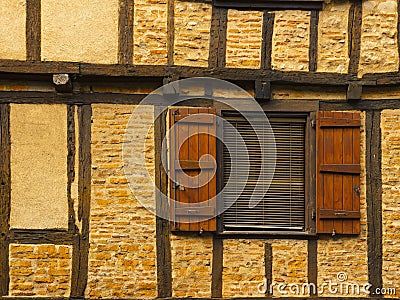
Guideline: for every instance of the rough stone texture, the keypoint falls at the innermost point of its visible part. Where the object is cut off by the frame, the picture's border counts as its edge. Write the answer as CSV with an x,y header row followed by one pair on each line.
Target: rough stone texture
x,y
38,161
333,38
346,254
40,270
122,261
286,92
83,31
289,266
12,33
379,51
192,33
244,36
191,265
243,268
150,32
291,41
390,124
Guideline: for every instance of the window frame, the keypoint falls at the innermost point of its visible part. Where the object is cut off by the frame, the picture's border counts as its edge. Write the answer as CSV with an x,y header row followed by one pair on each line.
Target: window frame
x,y
309,180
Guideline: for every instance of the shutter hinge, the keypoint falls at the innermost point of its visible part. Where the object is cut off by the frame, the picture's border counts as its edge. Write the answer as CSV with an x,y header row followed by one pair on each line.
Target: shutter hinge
x,y
179,187
313,123
313,215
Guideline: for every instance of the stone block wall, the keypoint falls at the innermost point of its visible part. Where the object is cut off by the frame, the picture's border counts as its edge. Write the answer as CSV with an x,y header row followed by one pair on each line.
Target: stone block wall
x,y
40,270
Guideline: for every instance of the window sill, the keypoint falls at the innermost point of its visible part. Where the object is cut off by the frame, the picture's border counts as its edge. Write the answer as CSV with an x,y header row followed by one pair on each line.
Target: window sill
x,y
304,235
273,4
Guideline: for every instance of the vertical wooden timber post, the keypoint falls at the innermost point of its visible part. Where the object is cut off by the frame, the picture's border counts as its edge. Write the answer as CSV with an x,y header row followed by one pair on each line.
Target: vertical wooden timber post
x,y
374,197
268,260
5,196
33,30
163,244
354,28
312,267
170,32
125,32
217,49
71,165
80,252
217,267
267,33
313,49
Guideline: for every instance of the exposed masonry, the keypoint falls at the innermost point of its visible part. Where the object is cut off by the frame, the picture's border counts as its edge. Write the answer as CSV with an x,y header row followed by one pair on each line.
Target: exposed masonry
x,y
40,270
390,125
122,259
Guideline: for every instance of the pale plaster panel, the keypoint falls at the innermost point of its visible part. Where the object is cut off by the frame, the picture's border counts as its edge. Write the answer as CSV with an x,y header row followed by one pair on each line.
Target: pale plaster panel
x,y
38,166
80,30
12,31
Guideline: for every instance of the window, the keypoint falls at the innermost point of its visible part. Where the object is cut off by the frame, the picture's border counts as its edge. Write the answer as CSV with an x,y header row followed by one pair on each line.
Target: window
x,y
282,206
315,186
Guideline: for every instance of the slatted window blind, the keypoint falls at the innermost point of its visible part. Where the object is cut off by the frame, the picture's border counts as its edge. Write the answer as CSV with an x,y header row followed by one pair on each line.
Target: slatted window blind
x,y
282,207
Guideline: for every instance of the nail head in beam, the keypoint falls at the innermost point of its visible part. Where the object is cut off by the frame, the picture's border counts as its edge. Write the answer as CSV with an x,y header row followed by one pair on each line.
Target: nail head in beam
x,y
354,91
63,83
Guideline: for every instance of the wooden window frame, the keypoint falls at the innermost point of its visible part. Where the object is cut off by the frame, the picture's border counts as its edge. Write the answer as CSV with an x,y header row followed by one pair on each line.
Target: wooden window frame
x,y
310,176
270,4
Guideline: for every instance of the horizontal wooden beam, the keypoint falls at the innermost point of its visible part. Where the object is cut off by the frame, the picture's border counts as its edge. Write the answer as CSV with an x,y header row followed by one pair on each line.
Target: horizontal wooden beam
x,y
36,236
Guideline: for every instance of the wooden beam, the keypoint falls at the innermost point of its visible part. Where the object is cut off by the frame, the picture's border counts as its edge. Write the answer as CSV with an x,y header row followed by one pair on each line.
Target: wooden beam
x,y
163,244
125,32
355,20
313,49
217,267
214,38
268,261
33,30
71,166
374,197
5,196
312,266
170,31
262,90
266,45
62,83
354,91
223,25
360,105
80,252
37,236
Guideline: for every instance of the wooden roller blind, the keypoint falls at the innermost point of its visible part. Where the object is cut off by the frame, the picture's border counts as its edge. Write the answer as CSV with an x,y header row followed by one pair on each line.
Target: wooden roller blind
x,y
338,172
195,132
282,205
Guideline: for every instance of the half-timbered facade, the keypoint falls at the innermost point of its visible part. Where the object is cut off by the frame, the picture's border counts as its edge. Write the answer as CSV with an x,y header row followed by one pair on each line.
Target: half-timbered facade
x,y
72,75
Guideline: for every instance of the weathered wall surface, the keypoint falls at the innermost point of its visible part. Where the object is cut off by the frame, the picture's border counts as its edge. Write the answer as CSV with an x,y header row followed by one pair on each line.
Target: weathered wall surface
x,y
122,259
38,166
40,270
243,41
80,31
150,32
346,254
333,37
12,36
192,33
379,49
390,125
291,41
191,265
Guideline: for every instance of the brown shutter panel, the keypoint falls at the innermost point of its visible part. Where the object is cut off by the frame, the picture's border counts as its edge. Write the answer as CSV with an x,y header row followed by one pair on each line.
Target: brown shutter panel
x,y
338,172
191,211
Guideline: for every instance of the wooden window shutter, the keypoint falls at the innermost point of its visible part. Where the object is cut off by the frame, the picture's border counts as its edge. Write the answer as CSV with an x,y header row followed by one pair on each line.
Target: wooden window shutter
x,y
190,210
338,172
